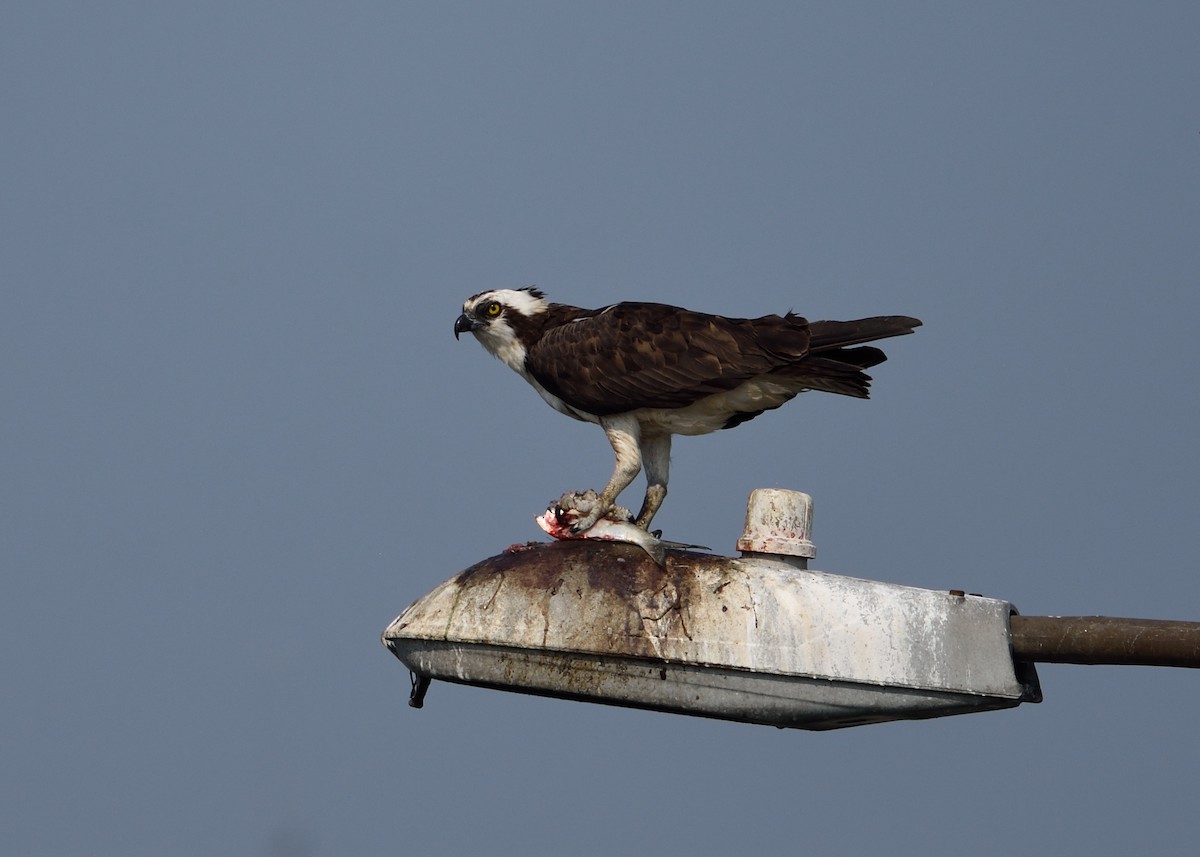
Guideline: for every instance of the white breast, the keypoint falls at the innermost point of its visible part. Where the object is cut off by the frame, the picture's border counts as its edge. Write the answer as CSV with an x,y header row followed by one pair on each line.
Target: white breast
x,y
557,403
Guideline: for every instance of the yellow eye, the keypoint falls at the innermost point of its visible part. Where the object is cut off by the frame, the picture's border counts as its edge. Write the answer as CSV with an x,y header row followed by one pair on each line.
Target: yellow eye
x,y
492,310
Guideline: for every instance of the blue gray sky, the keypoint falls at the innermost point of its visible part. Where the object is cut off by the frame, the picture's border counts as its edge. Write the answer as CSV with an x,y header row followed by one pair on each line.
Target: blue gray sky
x,y
238,436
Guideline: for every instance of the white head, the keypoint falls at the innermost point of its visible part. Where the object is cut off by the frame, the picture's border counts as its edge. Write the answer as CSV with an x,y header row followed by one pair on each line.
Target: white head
x,y
504,321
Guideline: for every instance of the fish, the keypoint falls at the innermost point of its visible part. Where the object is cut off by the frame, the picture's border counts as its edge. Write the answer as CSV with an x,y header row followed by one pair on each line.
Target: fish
x,y
616,526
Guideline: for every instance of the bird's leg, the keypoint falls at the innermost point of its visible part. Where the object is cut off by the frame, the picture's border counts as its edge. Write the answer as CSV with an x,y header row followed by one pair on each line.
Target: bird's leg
x,y
656,458
624,434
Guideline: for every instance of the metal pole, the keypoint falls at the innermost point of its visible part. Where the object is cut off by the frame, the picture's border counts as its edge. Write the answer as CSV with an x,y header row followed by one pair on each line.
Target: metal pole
x,y
1105,640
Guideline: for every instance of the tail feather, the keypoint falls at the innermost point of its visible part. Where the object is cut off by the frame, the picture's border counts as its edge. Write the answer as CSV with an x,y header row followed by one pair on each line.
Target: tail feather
x,y
827,335
832,374
832,366
863,357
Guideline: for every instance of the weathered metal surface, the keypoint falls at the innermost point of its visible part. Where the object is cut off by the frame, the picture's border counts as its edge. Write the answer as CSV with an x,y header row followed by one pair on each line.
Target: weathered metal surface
x,y
778,521
750,639
1106,640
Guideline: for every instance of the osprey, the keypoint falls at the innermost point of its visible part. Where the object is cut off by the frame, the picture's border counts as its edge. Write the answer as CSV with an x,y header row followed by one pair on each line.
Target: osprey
x,y
646,371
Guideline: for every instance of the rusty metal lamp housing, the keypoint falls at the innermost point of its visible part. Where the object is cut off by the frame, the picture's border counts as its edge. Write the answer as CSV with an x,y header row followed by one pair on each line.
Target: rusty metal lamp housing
x,y
757,638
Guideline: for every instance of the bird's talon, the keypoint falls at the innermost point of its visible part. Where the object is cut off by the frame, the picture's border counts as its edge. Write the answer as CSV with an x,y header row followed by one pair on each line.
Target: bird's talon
x,y
584,524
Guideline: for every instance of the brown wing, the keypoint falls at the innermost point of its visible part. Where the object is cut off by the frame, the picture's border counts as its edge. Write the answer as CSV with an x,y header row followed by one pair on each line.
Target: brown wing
x,y
645,355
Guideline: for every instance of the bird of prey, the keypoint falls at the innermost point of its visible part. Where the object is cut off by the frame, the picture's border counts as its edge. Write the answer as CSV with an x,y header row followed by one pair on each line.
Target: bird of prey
x,y
646,371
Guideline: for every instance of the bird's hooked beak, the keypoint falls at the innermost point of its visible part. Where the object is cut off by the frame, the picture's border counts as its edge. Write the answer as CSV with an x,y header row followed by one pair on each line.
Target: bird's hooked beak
x,y
463,324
